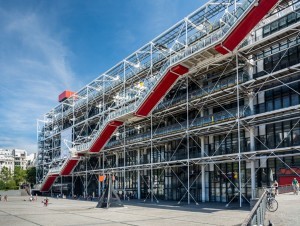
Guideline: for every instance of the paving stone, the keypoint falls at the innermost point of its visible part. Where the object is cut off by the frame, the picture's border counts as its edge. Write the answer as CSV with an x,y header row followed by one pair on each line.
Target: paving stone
x,y
74,213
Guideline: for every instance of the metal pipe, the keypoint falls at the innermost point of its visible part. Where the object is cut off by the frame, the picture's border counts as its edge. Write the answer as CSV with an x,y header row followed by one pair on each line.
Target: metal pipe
x,y
239,131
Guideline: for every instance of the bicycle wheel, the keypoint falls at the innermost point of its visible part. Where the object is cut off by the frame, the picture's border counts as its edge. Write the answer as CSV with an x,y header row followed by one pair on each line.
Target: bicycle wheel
x,y
272,205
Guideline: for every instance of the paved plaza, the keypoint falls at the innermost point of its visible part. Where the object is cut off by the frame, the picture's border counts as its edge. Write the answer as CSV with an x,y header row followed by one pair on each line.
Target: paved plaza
x,y
72,212
288,211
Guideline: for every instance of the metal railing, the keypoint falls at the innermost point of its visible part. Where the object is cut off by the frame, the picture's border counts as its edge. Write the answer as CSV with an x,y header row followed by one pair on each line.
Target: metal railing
x,y
257,214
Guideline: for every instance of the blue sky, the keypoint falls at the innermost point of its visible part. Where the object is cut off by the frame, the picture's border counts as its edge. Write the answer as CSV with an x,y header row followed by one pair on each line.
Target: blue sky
x,y
50,46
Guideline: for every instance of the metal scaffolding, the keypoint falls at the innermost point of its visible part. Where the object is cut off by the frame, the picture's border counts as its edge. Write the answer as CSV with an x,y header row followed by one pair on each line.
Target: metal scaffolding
x,y
207,140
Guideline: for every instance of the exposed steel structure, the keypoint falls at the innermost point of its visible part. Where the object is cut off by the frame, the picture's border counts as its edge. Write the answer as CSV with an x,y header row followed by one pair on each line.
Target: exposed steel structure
x,y
185,108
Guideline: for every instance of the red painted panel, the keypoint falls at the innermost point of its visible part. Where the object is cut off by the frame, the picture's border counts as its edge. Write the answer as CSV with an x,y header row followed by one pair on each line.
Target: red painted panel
x,y
70,165
255,15
65,95
161,89
287,179
48,183
105,135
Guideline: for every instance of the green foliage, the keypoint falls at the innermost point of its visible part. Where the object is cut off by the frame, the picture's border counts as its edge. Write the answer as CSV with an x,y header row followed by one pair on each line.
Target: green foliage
x,y
31,175
19,175
5,174
11,184
2,185
7,179
13,181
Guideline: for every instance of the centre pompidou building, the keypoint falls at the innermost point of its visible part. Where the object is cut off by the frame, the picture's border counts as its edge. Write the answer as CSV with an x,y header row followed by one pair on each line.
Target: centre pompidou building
x,y
208,111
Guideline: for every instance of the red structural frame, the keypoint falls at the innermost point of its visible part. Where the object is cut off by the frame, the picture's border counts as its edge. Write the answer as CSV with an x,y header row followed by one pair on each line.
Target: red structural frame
x,y
105,135
161,89
48,183
70,165
255,15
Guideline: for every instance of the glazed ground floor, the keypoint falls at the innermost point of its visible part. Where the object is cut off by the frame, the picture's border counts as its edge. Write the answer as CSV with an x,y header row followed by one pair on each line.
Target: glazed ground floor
x,y
192,183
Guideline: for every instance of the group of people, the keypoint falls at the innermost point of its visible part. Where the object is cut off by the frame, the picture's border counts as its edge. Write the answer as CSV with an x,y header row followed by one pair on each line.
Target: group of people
x,y
32,199
4,198
295,185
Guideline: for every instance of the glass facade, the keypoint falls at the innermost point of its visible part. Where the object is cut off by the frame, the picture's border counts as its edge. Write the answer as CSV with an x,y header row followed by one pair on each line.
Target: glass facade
x,y
205,138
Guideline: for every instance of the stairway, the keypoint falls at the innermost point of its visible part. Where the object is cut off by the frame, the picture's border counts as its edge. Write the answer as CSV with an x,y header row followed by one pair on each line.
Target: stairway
x,y
241,23
237,26
65,169
48,181
244,27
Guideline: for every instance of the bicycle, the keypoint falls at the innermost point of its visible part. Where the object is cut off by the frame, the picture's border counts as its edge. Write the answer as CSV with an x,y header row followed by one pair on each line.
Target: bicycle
x,y
272,204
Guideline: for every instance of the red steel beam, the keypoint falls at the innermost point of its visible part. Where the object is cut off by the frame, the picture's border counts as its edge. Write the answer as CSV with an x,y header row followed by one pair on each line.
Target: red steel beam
x,y
255,15
70,165
48,183
161,89
105,135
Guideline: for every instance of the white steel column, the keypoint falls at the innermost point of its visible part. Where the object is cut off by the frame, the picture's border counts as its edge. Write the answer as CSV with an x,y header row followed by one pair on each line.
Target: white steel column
x,y
117,159
116,185
250,67
72,188
251,129
86,180
99,184
151,159
103,157
250,97
138,177
253,184
252,138
238,123
188,136
202,169
124,163
61,186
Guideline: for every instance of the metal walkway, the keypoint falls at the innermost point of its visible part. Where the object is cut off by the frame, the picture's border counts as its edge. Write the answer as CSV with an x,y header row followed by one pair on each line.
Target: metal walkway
x,y
142,80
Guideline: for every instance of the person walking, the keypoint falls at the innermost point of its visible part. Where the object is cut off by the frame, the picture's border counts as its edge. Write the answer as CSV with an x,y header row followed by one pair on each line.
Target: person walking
x,y
276,185
5,198
46,200
295,185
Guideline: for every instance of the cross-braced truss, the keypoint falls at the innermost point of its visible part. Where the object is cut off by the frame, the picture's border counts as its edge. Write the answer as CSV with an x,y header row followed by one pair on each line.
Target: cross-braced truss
x,y
223,129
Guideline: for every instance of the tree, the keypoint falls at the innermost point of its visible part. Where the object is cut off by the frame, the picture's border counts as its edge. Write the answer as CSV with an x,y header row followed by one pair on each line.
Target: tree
x,y
31,175
6,179
2,185
5,174
11,184
19,175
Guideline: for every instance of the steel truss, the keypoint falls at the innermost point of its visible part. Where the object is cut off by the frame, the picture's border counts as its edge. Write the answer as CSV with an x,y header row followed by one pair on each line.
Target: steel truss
x,y
174,140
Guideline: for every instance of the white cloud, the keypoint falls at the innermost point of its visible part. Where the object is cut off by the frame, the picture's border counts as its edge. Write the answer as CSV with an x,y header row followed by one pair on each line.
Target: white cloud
x,y
33,71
